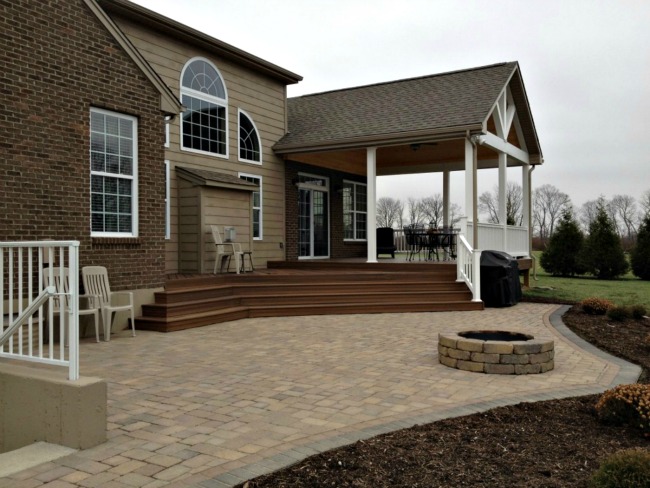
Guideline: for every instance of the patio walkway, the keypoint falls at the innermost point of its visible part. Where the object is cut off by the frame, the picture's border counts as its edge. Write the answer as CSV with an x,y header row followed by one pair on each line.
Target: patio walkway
x,y
215,405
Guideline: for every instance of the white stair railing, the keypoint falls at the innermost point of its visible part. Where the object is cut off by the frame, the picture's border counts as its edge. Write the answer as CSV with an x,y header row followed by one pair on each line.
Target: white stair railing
x,y
27,327
468,267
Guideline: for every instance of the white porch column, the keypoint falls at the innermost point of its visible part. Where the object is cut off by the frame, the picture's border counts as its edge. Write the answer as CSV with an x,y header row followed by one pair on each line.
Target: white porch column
x,y
503,191
371,195
445,199
469,180
526,196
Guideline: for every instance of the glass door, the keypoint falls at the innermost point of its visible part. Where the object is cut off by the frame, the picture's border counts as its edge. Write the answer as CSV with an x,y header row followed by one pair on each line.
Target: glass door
x,y
313,215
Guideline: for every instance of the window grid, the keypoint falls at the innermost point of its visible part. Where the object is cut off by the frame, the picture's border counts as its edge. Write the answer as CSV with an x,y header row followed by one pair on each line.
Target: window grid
x,y
112,166
257,204
355,215
249,141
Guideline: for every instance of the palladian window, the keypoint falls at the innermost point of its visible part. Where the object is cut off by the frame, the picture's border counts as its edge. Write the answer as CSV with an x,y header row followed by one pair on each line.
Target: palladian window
x,y
205,120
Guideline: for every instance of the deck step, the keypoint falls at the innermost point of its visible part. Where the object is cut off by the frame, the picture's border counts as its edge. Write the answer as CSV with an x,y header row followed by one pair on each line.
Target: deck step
x,y
309,289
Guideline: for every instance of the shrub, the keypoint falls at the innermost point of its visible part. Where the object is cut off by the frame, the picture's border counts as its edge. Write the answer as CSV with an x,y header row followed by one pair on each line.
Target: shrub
x,y
602,253
646,341
640,255
619,314
638,312
596,306
561,256
629,468
626,405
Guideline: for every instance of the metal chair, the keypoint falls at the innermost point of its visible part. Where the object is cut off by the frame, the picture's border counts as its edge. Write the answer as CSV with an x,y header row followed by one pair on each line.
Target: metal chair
x,y
413,236
95,280
60,279
225,251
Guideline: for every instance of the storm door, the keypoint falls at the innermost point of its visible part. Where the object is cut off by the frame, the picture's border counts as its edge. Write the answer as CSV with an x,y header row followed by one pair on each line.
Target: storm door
x,y
313,216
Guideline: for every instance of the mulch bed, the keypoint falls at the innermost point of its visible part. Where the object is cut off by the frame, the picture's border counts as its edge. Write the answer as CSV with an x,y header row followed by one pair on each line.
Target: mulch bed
x,y
557,443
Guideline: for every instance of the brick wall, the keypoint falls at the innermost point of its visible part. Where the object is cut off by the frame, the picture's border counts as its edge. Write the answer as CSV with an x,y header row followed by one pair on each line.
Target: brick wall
x,y
338,247
57,61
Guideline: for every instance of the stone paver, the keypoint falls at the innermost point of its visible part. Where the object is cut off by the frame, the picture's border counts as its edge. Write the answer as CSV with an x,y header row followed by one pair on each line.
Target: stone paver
x,y
216,405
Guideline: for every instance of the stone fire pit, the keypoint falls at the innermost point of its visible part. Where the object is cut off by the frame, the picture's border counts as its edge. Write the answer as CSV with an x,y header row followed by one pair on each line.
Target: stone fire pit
x,y
495,352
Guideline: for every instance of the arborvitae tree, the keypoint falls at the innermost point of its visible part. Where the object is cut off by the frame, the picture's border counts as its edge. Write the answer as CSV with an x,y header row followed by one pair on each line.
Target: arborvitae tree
x,y
561,257
602,253
640,255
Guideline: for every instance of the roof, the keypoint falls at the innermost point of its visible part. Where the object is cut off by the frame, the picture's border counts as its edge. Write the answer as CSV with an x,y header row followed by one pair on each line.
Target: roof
x,y
213,178
184,33
169,103
392,112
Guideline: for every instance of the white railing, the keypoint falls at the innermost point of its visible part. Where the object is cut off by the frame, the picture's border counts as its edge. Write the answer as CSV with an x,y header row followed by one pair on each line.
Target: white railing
x,y
27,330
468,266
514,240
400,240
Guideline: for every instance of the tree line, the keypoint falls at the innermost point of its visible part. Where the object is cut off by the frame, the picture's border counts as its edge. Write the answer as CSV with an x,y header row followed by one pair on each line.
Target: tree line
x,y
549,204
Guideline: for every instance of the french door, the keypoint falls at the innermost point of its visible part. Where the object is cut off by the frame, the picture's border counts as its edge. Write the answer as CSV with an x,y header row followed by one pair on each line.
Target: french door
x,y
313,217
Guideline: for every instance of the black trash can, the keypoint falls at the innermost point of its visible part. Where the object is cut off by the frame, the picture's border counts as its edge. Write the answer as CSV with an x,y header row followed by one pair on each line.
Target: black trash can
x,y
500,286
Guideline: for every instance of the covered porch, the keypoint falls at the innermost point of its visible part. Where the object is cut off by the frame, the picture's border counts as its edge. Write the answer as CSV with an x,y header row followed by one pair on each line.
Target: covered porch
x,y
464,121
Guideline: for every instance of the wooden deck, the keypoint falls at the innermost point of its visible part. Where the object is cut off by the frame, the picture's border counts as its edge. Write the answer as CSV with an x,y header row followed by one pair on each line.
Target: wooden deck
x,y
306,288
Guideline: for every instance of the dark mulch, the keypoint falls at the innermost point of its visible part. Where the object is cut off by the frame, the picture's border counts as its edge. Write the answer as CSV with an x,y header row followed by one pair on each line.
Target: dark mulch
x,y
557,443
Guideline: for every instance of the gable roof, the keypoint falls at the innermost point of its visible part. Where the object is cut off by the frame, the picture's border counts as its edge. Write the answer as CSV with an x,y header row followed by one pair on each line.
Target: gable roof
x,y
184,33
204,177
168,101
442,105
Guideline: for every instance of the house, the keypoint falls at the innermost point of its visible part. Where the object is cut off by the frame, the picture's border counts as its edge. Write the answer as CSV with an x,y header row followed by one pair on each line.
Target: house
x,y
133,133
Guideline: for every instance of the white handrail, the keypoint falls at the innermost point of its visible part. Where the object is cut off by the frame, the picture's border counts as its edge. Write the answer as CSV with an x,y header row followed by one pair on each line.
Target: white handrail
x,y
28,312
468,267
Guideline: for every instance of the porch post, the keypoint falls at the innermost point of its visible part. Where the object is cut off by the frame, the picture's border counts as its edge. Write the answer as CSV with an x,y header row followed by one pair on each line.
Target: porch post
x,y
445,199
503,190
525,186
371,196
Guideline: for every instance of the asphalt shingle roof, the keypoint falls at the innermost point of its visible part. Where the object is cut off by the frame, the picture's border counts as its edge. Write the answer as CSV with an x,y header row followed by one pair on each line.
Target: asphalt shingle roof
x,y
447,100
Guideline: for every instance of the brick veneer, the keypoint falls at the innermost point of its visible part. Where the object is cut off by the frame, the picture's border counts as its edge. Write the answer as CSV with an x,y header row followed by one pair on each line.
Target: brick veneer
x,y
57,62
339,248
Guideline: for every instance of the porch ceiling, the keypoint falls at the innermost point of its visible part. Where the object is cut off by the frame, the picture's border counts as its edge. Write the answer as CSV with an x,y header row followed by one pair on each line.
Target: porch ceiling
x,y
432,157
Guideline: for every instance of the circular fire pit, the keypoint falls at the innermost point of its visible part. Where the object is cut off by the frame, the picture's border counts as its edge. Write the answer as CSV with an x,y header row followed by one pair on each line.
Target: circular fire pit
x,y
495,352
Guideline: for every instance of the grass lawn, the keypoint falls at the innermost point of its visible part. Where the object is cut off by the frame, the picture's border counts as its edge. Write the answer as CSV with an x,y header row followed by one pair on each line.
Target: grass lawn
x,y
628,290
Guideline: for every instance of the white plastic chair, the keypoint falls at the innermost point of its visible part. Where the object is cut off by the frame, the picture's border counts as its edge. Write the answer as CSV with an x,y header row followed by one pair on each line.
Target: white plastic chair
x,y
225,251
95,279
60,279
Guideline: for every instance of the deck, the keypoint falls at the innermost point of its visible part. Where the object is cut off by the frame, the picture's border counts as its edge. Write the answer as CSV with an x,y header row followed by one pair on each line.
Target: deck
x,y
291,288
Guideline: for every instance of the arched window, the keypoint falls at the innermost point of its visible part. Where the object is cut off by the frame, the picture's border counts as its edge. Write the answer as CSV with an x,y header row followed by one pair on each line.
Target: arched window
x,y
249,140
205,120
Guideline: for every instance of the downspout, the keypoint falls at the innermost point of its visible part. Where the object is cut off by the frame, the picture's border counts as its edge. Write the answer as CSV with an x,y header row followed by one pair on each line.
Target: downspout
x,y
530,220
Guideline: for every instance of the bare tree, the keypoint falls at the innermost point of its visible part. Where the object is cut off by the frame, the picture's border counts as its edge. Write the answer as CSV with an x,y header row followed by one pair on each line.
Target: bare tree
x,y
389,212
488,203
548,205
588,212
624,207
454,214
645,202
432,210
413,210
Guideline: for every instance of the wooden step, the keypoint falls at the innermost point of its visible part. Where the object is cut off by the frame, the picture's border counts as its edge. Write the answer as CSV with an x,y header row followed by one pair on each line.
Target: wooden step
x,y
190,321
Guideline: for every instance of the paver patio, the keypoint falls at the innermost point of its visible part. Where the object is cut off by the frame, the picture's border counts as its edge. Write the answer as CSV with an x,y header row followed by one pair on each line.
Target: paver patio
x,y
215,405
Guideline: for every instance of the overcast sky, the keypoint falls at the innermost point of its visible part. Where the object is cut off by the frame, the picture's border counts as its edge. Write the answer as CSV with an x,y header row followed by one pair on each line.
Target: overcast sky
x,y
585,65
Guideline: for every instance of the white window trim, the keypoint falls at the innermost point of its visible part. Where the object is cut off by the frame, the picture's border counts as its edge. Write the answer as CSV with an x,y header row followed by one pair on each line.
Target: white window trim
x,y
249,175
355,212
257,133
168,206
134,178
223,102
167,139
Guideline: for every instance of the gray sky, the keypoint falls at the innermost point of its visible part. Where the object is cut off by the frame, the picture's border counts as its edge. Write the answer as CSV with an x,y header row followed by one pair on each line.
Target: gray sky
x,y
585,65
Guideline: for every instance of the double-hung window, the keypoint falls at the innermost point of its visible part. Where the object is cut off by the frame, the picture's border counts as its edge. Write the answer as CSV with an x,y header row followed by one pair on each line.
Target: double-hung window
x,y
257,204
205,121
113,174
355,214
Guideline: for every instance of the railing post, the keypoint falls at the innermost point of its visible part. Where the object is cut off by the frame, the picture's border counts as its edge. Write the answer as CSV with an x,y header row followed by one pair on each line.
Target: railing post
x,y
73,318
476,276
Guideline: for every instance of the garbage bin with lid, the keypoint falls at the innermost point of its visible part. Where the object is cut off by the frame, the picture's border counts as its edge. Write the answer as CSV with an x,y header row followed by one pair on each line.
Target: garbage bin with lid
x,y
500,286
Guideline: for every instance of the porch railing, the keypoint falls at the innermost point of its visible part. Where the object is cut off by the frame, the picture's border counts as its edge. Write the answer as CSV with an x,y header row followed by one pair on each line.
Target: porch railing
x,y
27,307
514,240
468,267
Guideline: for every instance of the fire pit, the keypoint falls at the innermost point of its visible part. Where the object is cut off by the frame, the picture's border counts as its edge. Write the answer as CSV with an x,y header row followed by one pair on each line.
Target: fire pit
x,y
495,352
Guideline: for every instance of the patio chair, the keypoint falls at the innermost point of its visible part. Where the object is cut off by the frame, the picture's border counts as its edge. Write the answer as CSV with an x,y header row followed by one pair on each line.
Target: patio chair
x,y
95,279
413,235
225,251
60,279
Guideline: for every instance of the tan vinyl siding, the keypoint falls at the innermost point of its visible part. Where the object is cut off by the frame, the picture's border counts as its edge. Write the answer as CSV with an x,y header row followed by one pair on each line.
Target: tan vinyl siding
x,y
262,98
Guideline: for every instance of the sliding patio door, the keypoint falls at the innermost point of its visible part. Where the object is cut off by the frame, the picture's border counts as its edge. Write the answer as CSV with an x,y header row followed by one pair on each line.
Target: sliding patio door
x,y
313,217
